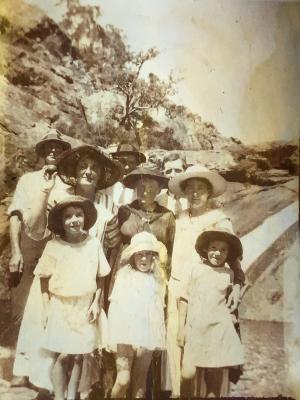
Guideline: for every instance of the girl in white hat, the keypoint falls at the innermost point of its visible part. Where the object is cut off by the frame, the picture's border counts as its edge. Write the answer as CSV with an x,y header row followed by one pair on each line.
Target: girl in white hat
x,y
71,269
136,312
206,329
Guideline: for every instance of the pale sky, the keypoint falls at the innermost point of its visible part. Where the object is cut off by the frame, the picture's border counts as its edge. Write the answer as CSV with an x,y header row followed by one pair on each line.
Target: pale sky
x,y
239,60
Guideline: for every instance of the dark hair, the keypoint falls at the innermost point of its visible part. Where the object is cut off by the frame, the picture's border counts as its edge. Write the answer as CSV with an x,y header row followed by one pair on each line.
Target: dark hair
x,y
174,157
206,181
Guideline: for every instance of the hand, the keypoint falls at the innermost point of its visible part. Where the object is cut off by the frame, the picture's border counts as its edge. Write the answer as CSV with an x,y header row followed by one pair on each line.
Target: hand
x,y
16,262
180,338
49,174
234,298
93,312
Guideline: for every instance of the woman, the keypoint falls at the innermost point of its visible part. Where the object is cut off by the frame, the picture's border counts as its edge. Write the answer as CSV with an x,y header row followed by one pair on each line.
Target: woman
x,y
87,170
198,185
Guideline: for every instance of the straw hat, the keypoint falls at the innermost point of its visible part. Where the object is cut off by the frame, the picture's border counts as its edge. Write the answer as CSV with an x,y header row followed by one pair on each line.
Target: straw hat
x,y
217,182
222,231
125,149
145,170
145,241
55,137
68,161
55,215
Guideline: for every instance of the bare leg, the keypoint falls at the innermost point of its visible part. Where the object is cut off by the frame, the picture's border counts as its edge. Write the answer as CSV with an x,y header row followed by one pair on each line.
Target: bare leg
x,y
75,376
139,373
124,359
217,381
59,376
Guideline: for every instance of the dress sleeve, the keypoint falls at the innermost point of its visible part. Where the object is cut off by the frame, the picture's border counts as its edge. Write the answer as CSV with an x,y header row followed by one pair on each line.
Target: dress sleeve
x,y
47,262
103,264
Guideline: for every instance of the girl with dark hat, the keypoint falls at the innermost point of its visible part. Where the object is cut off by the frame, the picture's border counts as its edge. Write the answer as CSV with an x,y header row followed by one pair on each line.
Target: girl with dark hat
x,y
206,330
70,271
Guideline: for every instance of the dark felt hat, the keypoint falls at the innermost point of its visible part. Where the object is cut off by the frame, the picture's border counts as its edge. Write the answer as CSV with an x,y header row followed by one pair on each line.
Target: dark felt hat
x,y
55,215
68,161
125,149
55,137
222,231
145,170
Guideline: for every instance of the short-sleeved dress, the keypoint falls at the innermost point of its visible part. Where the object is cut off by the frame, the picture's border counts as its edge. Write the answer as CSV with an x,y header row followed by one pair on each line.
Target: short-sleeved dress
x,y
72,269
136,311
210,336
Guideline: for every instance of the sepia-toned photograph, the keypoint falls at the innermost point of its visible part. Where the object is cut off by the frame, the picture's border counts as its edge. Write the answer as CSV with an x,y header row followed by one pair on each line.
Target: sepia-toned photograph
x,y
149,199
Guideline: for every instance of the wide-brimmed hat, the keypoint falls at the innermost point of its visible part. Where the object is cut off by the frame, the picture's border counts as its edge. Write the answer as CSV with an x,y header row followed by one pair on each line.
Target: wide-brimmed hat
x,y
125,149
55,215
145,170
55,137
145,241
222,231
67,164
217,182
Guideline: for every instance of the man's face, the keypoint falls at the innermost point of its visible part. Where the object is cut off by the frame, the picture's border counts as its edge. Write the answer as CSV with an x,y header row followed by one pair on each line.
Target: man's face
x,y
173,168
128,161
52,151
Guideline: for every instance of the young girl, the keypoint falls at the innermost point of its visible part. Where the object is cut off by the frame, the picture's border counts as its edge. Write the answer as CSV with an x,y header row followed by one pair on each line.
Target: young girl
x,y
205,321
136,324
71,279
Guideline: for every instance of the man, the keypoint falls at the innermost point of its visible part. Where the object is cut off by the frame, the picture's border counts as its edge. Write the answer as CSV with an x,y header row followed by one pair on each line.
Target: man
x,y
172,165
25,252
130,158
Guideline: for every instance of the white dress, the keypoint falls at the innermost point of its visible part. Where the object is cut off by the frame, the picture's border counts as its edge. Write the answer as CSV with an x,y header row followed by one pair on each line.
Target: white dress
x,y
72,269
187,231
211,340
32,360
136,311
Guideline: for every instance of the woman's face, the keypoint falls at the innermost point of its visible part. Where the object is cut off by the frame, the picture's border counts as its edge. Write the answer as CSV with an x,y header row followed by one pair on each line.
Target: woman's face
x,y
143,260
88,171
197,191
147,189
73,220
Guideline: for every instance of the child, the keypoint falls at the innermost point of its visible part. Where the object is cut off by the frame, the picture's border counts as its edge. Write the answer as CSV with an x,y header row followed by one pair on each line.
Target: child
x,y
71,280
205,322
136,312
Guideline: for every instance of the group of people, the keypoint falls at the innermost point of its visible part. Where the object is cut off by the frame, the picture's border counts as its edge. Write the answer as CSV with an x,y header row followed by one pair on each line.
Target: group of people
x,y
114,257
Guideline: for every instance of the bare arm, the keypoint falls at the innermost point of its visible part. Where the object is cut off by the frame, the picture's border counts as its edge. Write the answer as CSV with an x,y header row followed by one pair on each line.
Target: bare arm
x,y
94,310
16,261
182,312
46,298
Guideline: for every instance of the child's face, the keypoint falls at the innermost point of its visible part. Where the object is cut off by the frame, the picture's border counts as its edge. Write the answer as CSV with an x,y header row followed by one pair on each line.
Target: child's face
x,y
143,260
73,220
217,252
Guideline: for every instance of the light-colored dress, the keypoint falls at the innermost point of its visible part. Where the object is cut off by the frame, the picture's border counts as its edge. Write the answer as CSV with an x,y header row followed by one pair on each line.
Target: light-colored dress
x,y
211,340
72,269
29,353
136,311
187,230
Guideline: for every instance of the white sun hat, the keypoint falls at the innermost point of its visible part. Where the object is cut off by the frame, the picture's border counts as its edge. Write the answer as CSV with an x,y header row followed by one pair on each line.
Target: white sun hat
x,y
217,182
145,241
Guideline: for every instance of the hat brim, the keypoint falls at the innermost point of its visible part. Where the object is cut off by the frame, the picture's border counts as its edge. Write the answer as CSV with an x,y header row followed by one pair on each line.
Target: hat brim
x,y
217,182
55,215
40,146
158,248
139,156
235,245
131,179
67,166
